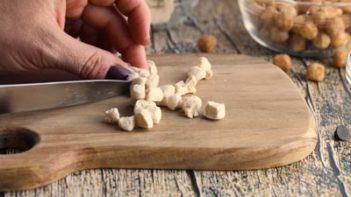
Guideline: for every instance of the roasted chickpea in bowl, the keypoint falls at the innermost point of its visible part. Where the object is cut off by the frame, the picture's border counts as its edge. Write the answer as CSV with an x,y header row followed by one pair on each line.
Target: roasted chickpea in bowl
x,y
305,28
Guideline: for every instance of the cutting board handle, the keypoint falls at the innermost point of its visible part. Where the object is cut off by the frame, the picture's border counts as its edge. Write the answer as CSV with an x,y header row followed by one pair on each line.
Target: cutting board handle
x,y
26,163
17,140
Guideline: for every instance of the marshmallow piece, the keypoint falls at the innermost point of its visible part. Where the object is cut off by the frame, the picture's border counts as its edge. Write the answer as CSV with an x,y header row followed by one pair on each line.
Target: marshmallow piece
x,y
205,65
156,114
137,92
154,94
214,111
167,90
174,101
143,104
190,84
127,123
197,72
112,115
152,67
209,74
144,73
191,106
141,71
181,88
152,82
139,80
143,119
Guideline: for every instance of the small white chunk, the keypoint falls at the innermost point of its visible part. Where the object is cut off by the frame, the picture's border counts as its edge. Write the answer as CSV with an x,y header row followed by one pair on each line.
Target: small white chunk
x,y
112,115
167,90
144,73
191,106
139,80
181,88
206,66
127,123
190,84
143,119
154,94
174,101
197,72
152,82
141,71
209,74
143,104
152,67
204,63
137,92
155,111
156,114
214,111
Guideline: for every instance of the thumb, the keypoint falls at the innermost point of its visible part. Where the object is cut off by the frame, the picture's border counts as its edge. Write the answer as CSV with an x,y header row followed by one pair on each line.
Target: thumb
x,y
87,61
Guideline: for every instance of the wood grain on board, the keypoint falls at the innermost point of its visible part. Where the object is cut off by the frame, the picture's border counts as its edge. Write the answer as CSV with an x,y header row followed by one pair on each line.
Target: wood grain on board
x,y
268,124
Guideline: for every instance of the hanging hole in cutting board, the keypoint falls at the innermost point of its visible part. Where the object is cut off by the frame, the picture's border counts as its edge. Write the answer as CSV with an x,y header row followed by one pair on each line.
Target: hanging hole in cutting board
x,y
17,140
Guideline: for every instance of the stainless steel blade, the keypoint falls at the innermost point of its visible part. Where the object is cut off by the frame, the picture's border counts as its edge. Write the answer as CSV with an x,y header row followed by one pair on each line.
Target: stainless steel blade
x,y
38,96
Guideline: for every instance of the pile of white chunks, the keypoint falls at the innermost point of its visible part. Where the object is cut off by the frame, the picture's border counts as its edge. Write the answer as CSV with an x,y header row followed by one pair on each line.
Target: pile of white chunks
x,y
148,97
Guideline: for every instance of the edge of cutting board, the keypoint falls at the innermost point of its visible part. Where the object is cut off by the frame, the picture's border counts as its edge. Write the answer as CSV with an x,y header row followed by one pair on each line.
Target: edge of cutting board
x,y
28,170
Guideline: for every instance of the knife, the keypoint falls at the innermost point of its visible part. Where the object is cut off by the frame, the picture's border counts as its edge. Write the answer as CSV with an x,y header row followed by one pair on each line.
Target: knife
x,y
38,96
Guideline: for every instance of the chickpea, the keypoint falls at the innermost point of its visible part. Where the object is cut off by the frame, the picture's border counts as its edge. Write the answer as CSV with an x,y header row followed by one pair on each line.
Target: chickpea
x,y
297,43
340,39
277,35
334,26
347,20
207,43
305,28
274,34
322,41
283,61
284,19
339,58
315,72
267,3
321,14
288,9
268,15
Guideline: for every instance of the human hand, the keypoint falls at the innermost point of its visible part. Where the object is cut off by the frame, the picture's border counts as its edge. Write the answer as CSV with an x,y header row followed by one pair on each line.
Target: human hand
x,y
32,36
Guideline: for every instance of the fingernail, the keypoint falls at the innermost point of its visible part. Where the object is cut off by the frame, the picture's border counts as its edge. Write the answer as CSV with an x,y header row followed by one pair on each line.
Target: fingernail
x,y
117,72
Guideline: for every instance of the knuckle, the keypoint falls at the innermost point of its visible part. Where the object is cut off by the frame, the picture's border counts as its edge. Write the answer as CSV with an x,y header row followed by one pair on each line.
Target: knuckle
x,y
92,66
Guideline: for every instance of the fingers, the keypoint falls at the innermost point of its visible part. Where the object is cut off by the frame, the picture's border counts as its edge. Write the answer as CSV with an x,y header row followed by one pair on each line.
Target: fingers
x,y
139,18
115,28
85,60
114,31
74,8
73,27
105,19
89,35
135,55
102,2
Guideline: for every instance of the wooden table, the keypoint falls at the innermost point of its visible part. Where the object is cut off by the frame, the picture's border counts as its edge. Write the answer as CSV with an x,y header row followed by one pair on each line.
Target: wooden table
x,y
326,172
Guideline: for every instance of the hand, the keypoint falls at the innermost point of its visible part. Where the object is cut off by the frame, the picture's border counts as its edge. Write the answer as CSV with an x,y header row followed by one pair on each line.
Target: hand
x,y
32,36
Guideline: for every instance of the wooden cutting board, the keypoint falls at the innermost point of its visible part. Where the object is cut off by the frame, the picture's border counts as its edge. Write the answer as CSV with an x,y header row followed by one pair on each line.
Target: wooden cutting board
x,y
268,124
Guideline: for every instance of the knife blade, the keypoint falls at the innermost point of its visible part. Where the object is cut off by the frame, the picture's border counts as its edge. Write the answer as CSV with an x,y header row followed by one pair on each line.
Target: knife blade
x,y
38,96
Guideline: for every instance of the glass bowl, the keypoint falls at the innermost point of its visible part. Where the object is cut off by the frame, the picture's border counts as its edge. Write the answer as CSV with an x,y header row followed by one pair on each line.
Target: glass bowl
x,y
299,28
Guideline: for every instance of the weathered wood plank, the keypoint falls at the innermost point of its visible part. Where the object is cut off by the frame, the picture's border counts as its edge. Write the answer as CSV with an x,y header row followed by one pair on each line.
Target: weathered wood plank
x,y
327,172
